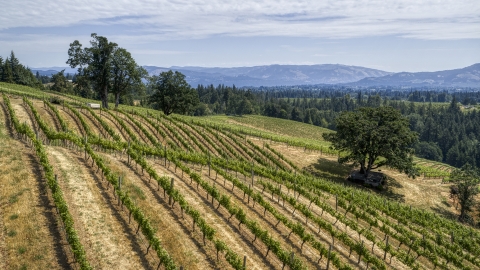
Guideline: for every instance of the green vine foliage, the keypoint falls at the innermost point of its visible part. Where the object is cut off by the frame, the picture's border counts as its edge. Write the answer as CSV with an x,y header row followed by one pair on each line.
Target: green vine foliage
x,y
423,233
139,217
60,203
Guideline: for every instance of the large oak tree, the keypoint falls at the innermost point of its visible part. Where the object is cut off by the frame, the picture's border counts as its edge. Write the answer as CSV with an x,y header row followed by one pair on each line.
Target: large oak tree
x,y
172,93
94,63
126,74
374,137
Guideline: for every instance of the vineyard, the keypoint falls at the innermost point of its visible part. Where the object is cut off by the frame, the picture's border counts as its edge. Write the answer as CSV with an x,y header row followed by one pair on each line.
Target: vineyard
x,y
135,189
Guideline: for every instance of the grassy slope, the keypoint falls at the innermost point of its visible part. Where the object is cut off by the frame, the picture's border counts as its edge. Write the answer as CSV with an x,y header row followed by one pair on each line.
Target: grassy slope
x,y
302,132
28,236
269,126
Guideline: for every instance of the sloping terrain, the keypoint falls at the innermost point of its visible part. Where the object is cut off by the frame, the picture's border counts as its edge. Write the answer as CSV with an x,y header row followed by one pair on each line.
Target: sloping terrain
x,y
464,77
146,190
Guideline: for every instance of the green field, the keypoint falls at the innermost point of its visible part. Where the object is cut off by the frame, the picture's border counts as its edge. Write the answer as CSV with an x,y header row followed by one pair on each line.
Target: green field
x,y
139,189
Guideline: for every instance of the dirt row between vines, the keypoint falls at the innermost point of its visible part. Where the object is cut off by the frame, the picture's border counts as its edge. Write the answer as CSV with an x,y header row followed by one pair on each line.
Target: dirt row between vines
x,y
104,237
225,230
108,242
29,236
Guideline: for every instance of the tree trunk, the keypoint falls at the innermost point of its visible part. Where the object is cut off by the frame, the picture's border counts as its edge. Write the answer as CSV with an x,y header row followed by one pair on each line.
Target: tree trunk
x,y
362,167
105,97
117,99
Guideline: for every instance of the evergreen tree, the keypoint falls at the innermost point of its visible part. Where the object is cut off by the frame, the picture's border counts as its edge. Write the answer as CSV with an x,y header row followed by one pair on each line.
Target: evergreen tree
x,y
7,72
59,82
15,67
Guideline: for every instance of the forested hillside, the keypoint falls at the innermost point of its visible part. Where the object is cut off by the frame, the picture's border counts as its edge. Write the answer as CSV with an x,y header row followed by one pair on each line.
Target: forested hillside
x,y
447,122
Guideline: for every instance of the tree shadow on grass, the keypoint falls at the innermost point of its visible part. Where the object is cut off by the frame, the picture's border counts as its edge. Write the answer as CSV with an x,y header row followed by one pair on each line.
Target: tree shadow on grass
x,y
387,190
331,170
338,173
444,212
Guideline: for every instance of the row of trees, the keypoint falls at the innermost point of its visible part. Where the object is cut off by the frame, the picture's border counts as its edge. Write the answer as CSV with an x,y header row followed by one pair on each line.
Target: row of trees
x,y
105,68
447,133
11,71
227,100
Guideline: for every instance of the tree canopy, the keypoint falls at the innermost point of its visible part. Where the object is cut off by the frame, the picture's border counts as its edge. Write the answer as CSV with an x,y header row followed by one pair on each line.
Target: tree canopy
x,y
172,94
60,83
94,63
105,67
11,71
373,137
126,74
465,186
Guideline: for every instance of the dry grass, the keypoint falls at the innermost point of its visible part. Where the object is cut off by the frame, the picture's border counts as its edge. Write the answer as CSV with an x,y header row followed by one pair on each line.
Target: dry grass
x,y
171,229
45,114
424,194
108,244
30,239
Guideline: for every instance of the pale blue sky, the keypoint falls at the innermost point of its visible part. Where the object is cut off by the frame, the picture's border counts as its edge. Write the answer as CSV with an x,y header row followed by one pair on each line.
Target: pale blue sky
x,y
389,35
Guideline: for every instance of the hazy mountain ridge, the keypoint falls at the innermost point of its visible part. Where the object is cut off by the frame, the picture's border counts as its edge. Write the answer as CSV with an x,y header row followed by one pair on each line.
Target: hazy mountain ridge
x,y
289,75
273,75
467,77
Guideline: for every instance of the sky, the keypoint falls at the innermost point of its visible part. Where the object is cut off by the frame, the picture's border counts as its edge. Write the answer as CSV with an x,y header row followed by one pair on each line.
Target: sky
x,y
390,35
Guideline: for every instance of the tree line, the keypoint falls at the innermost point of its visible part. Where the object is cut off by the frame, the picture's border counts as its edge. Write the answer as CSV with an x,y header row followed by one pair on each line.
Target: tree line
x,y
448,133
109,73
11,71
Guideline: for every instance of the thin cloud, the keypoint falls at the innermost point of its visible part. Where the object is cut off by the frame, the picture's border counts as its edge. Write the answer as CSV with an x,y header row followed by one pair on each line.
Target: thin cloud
x,y
181,19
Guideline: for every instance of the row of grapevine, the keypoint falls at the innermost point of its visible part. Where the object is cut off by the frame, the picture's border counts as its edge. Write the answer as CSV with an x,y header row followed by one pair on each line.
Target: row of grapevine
x,y
142,221
410,260
60,203
230,256
105,126
439,241
222,199
410,238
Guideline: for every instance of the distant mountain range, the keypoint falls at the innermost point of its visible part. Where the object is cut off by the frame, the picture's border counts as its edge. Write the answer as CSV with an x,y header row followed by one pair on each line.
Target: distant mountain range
x,y
273,75
289,75
48,71
464,77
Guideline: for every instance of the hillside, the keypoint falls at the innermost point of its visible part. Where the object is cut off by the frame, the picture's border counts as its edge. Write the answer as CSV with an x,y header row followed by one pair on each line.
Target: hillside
x,y
464,77
133,188
272,75
290,75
